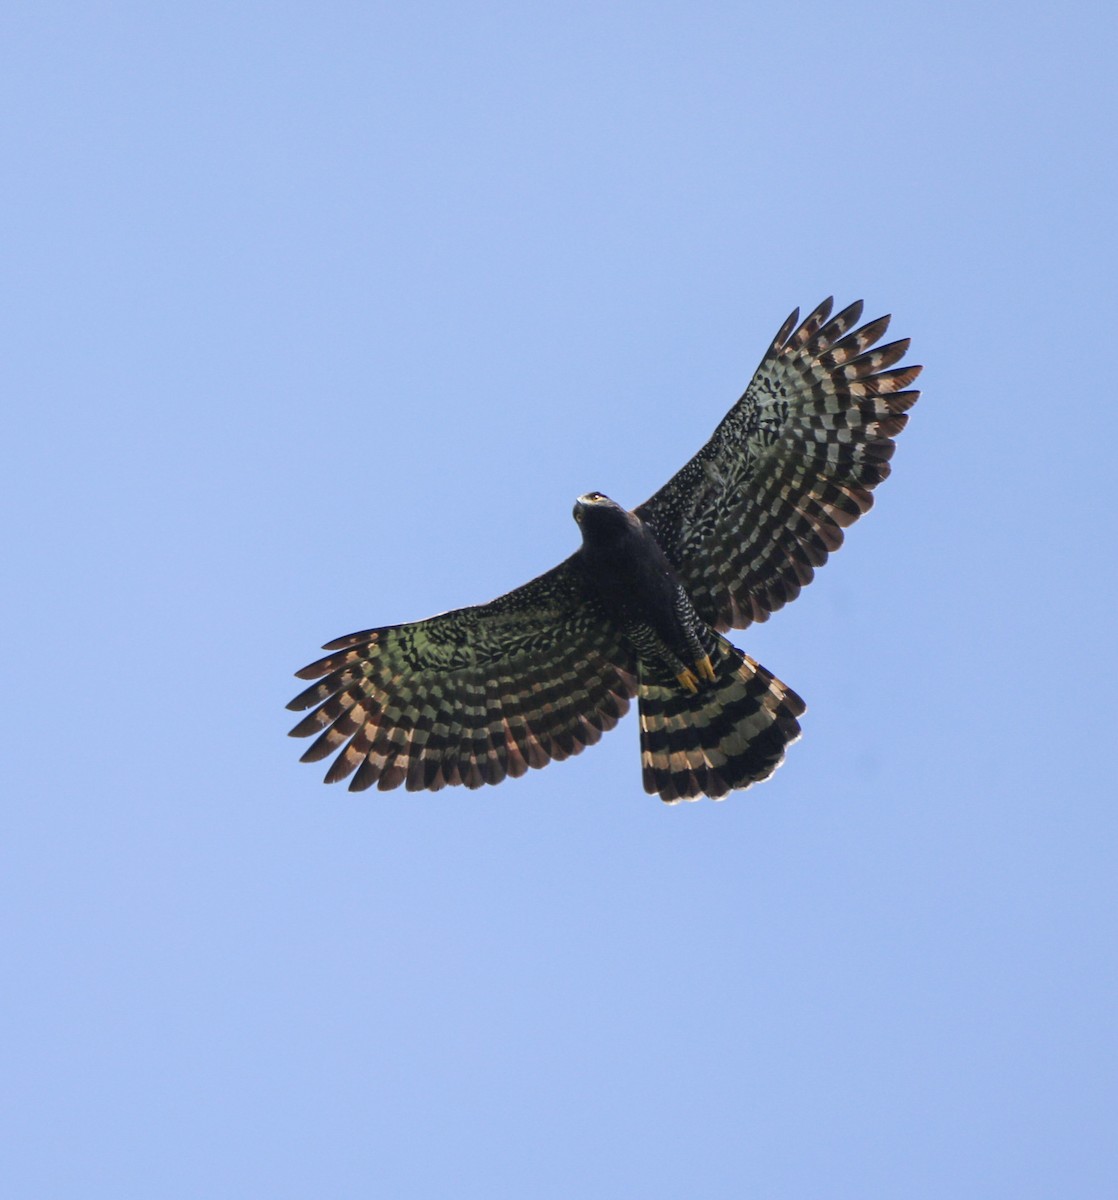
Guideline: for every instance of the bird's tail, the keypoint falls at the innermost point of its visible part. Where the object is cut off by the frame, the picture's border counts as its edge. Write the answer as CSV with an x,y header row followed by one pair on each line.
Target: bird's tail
x,y
729,734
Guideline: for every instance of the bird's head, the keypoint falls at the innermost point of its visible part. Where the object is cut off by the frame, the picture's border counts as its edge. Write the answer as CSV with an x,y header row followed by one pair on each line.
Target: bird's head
x,y
597,515
592,502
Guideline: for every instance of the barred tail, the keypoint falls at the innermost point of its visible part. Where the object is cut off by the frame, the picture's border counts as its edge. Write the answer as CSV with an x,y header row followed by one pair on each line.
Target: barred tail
x,y
730,734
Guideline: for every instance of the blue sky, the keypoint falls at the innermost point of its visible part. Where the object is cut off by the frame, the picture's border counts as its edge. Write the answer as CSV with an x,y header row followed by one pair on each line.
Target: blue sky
x,y
319,317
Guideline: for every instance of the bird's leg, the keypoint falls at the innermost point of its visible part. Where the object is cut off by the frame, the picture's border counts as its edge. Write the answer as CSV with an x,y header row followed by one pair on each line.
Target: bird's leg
x,y
705,669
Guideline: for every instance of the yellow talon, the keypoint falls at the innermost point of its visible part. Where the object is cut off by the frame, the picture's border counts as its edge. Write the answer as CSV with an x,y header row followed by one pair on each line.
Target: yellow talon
x,y
687,679
705,668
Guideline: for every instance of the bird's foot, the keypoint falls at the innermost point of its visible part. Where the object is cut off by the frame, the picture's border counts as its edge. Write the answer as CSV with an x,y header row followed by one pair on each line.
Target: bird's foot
x,y
688,680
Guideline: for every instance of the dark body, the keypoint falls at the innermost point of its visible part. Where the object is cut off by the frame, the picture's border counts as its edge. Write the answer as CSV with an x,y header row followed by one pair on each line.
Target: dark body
x,y
639,588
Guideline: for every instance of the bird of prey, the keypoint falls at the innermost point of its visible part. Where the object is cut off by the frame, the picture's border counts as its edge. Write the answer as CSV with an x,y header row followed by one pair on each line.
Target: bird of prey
x,y
479,694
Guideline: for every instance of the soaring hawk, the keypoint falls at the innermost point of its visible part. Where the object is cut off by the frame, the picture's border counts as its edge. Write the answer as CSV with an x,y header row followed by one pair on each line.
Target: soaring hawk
x,y
475,695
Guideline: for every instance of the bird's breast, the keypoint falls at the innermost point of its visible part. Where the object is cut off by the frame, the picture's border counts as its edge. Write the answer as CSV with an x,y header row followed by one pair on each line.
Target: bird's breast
x,y
634,581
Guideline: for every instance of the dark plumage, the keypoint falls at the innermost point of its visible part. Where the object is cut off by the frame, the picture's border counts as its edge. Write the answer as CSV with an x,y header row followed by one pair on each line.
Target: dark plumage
x,y
478,694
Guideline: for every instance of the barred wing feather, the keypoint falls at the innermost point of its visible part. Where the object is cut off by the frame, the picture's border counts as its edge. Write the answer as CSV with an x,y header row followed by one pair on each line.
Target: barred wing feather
x,y
470,696
793,463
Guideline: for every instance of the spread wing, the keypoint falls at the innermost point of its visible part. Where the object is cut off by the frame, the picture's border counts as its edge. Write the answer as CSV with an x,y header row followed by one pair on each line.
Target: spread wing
x,y
470,696
750,517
